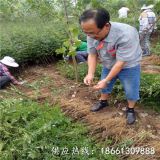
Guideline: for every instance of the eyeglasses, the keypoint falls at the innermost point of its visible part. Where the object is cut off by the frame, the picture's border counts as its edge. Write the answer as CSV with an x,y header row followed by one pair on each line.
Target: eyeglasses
x,y
91,34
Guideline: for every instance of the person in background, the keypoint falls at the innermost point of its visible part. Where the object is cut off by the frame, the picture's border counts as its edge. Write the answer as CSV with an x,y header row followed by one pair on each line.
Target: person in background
x,y
5,75
123,12
147,24
118,48
81,53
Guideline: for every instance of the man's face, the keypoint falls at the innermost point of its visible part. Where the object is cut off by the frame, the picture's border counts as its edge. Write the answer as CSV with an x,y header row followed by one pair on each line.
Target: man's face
x,y
90,28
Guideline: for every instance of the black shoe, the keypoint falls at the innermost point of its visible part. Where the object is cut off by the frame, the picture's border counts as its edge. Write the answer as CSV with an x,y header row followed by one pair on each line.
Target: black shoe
x,y
144,55
99,105
131,117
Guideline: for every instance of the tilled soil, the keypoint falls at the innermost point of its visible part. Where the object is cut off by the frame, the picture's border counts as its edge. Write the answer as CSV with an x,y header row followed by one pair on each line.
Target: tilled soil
x,y
151,64
106,126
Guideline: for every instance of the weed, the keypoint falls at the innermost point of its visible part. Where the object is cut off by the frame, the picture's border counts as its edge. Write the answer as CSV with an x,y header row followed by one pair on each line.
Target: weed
x,y
30,131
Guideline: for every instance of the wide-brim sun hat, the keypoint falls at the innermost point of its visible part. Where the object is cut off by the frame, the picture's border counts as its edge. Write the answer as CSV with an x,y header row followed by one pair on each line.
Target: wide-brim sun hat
x,y
9,61
150,6
144,7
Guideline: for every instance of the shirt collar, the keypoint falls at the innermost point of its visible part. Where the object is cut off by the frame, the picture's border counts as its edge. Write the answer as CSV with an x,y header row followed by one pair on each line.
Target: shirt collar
x,y
109,38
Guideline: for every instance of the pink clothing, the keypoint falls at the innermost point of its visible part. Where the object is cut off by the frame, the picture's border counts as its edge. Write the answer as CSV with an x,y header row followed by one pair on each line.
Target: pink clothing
x,y
4,71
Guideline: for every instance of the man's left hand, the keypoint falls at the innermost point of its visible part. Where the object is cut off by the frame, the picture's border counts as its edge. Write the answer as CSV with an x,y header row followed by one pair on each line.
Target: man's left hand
x,y
100,85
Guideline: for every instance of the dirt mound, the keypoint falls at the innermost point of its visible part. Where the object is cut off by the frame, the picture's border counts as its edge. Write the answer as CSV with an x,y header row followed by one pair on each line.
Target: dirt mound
x,y
151,64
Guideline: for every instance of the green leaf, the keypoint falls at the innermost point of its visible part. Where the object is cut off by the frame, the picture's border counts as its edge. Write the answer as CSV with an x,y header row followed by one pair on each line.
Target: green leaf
x,y
66,44
75,32
33,154
77,43
1,146
72,48
61,50
72,53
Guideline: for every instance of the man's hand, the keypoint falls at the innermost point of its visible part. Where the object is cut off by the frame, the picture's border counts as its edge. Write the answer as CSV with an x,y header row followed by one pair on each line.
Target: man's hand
x,y
20,82
100,85
88,79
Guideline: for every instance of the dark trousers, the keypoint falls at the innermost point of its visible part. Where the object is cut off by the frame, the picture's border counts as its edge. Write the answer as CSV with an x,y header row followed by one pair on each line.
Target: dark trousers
x,y
81,56
4,80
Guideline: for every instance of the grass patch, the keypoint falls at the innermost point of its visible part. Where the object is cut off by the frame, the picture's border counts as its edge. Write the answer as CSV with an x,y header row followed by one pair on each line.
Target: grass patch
x,y
67,70
156,49
150,90
30,131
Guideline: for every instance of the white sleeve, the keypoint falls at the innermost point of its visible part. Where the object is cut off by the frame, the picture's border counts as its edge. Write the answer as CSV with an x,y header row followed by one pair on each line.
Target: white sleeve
x,y
144,23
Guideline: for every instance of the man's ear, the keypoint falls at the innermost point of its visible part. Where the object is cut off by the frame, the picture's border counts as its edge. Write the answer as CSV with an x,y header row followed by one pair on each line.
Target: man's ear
x,y
107,25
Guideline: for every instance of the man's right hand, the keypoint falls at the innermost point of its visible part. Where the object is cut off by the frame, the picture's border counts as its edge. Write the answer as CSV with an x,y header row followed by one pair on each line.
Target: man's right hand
x,y
88,79
20,82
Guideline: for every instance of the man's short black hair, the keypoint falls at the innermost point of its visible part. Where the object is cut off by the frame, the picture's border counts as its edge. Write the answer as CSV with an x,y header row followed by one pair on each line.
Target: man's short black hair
x,y
100,16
